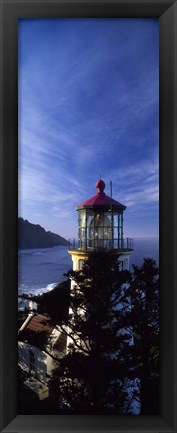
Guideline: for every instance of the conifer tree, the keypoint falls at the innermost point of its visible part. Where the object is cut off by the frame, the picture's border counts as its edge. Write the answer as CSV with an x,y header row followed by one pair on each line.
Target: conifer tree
x,y
114,332
144,320
94,370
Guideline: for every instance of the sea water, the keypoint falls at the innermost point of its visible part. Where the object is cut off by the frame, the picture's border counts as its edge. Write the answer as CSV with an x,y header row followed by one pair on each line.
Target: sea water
x,y
39,270
144,248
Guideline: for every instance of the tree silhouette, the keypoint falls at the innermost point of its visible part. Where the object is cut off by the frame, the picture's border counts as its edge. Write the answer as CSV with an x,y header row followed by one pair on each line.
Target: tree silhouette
x,y
94,370
113,327
144,319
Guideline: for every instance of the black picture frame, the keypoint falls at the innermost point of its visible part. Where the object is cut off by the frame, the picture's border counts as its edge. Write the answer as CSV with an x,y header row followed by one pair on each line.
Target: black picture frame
x,y
166,11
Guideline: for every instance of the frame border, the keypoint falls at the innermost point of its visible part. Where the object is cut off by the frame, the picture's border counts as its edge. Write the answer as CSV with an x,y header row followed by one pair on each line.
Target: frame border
x,y
166,11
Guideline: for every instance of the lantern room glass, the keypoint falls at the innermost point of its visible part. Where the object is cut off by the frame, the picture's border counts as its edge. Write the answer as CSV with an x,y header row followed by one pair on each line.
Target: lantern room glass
x,y
99,229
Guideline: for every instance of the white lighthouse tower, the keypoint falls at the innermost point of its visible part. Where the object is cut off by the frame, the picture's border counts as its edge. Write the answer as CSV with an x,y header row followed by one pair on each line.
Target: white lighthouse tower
x,y
100,226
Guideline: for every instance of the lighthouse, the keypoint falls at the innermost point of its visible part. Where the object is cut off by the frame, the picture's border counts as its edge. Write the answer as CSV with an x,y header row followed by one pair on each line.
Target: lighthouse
x,y
100,227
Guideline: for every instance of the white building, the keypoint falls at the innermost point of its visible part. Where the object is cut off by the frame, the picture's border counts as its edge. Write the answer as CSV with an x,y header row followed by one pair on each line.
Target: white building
x,y
41,344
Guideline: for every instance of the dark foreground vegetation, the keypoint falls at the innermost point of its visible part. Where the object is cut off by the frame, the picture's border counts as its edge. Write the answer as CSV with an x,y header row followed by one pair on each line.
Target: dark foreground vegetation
x,y
113,357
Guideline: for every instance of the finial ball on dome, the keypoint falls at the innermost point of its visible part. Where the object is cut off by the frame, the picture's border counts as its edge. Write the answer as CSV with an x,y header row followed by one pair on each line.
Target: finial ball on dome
x,y
100,185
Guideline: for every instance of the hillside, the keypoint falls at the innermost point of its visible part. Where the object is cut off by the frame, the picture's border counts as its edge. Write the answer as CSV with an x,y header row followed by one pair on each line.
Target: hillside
x,y
35,236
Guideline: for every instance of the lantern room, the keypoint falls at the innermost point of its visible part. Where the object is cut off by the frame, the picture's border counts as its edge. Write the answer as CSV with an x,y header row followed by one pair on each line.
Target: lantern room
x,y
100,222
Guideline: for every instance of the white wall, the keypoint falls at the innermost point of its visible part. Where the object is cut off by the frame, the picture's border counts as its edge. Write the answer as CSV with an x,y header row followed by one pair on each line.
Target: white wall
x,y
43,361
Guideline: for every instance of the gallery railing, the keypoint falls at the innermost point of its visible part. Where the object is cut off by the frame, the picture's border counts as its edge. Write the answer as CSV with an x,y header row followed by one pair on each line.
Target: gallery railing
x,y
126,244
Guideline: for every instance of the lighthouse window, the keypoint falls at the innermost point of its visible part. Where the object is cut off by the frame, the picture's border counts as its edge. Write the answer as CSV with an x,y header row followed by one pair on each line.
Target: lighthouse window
x,y
115,219
105,232
100,229
82,231
115,243
99,220
99,232
82,219
90,232
115,233
90,218
107,219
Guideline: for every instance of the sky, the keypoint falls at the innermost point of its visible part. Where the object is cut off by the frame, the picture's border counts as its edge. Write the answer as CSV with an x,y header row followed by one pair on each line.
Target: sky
x,y
88,106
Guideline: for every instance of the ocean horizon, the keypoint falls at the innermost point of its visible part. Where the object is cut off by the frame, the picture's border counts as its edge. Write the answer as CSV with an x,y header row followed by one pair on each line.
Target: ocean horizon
x,y
41,269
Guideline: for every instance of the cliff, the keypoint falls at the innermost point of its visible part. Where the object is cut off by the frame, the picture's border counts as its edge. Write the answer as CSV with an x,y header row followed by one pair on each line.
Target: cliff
x,y
35,236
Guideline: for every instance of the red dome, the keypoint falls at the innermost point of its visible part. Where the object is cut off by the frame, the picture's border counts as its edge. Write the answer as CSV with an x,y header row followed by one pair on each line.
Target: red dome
x,y
101,200
100,185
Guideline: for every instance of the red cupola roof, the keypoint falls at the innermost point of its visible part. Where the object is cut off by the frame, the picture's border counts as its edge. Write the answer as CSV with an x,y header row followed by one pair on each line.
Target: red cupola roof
x,y
100,185
100,199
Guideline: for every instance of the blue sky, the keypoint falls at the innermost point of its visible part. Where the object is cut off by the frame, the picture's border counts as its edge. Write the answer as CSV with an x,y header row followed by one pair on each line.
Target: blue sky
x,y
88,104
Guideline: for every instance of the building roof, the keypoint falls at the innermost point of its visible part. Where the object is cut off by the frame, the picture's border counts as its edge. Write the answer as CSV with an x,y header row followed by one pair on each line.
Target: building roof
x,y
37,330
100,199
39,323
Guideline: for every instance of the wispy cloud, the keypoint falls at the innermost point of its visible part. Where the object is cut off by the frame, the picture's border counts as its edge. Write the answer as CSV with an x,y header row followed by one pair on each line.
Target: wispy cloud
x,y
88,103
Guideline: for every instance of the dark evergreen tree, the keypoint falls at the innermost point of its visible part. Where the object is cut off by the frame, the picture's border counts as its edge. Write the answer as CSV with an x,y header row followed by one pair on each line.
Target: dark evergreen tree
x,y
94,371
114,330
143,317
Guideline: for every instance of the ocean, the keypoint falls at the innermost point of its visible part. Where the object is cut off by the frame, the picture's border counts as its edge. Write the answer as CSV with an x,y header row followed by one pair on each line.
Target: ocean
x,y
39,270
